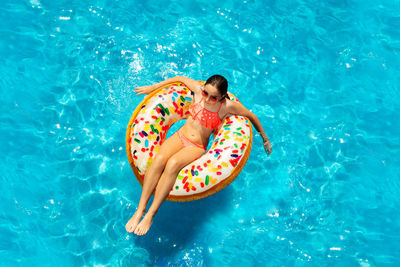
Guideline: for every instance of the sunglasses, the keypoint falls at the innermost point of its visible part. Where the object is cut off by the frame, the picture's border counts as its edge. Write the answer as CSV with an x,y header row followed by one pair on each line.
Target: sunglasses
x,y
206,94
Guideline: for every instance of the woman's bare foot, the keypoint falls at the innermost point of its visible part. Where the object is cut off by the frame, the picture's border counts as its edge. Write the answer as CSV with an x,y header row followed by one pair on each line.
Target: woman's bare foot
x,y
133,221
144,225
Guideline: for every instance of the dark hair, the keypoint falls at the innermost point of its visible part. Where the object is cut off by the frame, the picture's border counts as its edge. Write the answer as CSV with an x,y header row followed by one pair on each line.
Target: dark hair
x,y
220,83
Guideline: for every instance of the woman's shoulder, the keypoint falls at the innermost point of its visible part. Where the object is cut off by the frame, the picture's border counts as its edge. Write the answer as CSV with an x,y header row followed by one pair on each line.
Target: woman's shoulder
x,y
233,107
228,103
225,107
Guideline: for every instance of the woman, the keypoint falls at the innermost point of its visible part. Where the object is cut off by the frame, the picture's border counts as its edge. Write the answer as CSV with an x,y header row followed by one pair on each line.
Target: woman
x,y
188,143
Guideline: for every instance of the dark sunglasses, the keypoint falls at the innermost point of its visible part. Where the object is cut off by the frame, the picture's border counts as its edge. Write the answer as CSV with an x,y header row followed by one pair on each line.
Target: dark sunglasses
x,y
212,97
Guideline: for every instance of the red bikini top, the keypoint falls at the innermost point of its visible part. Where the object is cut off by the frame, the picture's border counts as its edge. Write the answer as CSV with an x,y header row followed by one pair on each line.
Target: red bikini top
x,y
205,117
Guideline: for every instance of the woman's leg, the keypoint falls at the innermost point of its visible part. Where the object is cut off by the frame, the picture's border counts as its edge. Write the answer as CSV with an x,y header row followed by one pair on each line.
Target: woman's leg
x,y
174,165
169,147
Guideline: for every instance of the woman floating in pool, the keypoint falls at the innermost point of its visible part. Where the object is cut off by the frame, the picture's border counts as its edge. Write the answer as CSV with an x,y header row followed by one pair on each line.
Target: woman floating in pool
x,y
188,143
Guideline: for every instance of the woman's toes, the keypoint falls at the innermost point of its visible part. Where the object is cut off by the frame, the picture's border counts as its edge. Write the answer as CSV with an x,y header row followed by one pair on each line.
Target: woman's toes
x,y
144,225
137,230
133,221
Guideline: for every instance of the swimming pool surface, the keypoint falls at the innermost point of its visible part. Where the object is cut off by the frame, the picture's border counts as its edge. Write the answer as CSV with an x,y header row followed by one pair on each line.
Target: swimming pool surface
x,y
322,77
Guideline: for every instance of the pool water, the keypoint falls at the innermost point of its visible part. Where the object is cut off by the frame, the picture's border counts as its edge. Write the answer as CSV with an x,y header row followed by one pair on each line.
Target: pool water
x,y
322,77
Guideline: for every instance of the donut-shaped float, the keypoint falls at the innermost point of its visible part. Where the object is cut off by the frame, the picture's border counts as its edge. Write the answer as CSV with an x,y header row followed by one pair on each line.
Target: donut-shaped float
x,y
214,170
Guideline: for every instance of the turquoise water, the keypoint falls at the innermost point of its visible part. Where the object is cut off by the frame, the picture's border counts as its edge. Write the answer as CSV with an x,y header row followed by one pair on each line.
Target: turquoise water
x,y
321,77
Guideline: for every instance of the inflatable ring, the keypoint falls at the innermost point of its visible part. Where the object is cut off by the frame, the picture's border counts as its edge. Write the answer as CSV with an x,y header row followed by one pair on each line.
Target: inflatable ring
x,y
214,170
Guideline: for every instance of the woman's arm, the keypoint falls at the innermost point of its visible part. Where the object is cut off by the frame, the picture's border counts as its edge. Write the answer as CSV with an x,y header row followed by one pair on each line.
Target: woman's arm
x,y
191,84
238,109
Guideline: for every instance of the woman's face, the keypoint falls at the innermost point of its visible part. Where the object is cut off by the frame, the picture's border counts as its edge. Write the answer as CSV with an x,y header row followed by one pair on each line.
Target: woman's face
x,y
211,94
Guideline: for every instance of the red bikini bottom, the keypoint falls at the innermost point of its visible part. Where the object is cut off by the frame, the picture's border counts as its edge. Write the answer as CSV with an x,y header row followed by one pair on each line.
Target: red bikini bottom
x,y
186,142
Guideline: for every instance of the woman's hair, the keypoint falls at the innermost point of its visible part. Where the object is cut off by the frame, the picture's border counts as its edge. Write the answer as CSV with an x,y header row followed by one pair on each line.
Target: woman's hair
x,y
220,83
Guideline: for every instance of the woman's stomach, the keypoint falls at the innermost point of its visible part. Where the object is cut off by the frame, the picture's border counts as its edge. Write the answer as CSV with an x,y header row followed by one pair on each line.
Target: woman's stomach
x,y
196,132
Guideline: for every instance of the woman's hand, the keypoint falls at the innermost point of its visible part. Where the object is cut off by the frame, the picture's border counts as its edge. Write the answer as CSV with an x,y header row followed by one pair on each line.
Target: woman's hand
x,y
267,146
144,89
266,143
